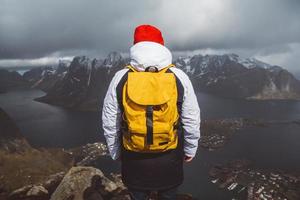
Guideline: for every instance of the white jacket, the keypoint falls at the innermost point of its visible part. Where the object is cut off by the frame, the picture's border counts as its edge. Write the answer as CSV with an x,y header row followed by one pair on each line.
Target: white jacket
x,y
142,55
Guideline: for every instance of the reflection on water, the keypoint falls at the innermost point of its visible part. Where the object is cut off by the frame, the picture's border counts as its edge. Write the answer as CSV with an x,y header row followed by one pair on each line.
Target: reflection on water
x,y
274,146
50,126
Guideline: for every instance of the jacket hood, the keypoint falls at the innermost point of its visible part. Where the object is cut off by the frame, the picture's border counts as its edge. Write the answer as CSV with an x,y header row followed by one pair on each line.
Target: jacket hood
x,y
145,54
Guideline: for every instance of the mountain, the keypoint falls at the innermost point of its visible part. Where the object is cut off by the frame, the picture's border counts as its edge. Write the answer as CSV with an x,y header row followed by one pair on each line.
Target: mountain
x,y
11,80
85,81
229,75
297,74
84,84
45,78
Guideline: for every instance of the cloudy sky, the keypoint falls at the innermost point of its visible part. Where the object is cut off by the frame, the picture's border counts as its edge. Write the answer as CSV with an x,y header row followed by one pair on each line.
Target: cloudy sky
x,y
35,31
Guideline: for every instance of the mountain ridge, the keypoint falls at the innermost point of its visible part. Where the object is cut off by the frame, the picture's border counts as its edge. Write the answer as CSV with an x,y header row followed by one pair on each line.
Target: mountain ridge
x,y
82,84
231,76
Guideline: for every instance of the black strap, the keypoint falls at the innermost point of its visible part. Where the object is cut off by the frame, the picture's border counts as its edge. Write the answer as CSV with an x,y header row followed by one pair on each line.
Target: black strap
x,y
119,92
149,124
180,95
180,91
119,89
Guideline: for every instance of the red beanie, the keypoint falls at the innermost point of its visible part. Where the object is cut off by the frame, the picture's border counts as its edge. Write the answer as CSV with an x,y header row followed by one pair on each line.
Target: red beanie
x,y
148,33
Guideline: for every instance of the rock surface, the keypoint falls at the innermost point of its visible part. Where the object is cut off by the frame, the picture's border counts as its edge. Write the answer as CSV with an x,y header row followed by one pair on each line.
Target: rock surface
x,y
80,183
84,183
40,191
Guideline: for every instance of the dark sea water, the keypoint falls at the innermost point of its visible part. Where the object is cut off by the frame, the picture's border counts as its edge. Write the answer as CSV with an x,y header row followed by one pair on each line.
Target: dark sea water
x,y
275,146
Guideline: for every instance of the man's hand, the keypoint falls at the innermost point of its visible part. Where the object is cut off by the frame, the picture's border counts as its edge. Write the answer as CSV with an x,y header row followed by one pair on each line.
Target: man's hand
x,y
188,159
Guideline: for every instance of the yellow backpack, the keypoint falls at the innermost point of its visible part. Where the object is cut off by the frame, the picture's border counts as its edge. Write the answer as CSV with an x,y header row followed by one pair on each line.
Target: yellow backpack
x,y
150,112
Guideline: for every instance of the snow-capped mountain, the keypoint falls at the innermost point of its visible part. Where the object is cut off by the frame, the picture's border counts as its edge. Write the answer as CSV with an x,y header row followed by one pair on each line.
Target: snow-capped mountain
x,y
45,78
85,82
62,66
113,59
231,76
249,62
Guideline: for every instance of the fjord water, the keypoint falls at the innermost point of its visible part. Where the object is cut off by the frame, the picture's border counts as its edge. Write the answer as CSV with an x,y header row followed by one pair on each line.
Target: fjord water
x,y
275,146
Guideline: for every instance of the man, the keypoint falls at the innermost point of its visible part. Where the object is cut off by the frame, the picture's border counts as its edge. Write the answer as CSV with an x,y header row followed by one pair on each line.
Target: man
x,y
142,100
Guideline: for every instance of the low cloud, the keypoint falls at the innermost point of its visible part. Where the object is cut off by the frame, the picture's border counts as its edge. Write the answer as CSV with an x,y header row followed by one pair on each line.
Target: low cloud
x,y
35,30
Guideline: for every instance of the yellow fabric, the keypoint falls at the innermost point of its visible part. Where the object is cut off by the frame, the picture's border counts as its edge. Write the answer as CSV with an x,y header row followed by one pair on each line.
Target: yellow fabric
x,y
159,90
146,88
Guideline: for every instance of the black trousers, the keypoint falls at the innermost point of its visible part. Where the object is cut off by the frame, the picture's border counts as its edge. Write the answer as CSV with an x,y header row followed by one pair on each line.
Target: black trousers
x,y
153,171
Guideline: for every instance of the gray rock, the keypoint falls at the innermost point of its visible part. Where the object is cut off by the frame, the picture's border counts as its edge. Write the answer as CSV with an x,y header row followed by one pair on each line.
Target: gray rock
x,y
117,179
37,191
84,183
20,193
40,191
53,181
29,192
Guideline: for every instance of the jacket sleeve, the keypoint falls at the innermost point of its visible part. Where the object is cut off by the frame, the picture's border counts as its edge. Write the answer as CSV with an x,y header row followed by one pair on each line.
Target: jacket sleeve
x,y
111,117
190,115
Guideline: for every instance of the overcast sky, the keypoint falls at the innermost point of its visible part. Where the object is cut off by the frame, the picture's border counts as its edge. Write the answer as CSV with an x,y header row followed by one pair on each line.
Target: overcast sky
x,y
35,31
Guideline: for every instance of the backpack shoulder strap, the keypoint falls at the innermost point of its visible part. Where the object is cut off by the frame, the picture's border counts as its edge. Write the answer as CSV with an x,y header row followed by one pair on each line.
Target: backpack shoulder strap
x,y
166,68
180,92
131,68
180,89
119,88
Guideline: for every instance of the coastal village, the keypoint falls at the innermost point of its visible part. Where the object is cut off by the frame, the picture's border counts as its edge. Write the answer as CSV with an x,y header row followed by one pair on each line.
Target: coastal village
x,y
249,183
238,177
